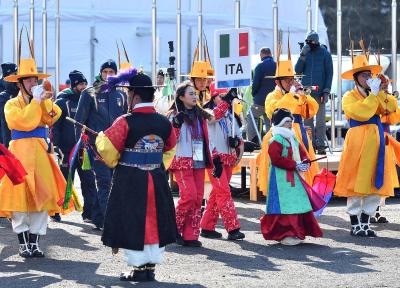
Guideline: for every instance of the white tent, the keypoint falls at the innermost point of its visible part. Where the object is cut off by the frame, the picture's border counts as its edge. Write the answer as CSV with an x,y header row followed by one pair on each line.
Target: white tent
x,y
131,22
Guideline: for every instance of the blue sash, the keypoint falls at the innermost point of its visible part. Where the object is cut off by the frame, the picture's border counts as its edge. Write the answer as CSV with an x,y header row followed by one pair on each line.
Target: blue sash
x,y
299,119
39,132
141,158
381,154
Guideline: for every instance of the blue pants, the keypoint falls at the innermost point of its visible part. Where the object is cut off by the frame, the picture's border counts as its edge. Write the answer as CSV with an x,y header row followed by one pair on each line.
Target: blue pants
x,y
88,186
103,176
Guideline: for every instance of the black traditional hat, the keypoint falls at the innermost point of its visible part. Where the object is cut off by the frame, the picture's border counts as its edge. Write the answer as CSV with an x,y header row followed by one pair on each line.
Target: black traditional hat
x,y
280,116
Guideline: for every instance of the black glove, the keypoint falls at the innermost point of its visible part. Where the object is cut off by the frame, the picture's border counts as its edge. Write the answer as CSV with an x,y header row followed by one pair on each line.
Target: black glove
x,y
217,172
234,142
306,48
178,120
232,94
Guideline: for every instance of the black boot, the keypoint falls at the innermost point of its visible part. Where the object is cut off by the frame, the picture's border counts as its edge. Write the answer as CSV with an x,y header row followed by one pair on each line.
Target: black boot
x,y
179,239
34,242
236,235
378,218
150,268
138,274
192,243
355,226
365,226
24,247
56,217
212,234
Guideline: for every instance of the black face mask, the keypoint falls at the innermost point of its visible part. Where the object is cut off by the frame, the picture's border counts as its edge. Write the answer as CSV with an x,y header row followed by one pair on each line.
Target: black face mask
x,y
11,88
313,45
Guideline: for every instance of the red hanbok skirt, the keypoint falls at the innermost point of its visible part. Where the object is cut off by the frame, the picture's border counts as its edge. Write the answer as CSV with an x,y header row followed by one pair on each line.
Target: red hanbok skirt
x,y
276,227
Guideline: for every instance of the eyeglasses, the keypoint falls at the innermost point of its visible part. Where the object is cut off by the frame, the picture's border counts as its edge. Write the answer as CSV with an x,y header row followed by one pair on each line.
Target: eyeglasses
x,y
288,80
366,75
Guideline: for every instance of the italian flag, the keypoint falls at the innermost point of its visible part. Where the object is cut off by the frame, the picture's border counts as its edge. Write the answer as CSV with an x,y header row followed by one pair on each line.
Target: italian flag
x,y
226,45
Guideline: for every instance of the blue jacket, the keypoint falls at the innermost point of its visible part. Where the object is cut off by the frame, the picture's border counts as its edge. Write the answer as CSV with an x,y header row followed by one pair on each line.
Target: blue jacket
x,y
261,85
63,130
99,110
317,69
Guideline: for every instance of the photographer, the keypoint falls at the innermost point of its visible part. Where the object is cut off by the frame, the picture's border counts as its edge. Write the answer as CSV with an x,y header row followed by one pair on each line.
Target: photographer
x,y
315,63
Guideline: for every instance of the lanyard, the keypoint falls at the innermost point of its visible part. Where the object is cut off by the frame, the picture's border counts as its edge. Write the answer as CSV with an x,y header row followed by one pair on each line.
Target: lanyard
x,y
198,130
224,125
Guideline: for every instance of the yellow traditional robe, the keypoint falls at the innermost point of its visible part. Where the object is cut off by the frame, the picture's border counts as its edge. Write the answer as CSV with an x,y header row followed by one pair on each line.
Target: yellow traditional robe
x,y
357,167
44,185
276,100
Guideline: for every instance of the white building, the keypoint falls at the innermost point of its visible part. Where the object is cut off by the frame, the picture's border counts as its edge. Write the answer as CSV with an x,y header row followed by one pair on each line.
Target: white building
x,y
131,21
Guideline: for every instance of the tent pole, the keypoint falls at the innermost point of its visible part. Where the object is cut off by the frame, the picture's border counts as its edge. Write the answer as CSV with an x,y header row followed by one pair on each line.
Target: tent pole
x,y
309,16
394,44
32,20
275,27
44,36
178,40
57,18
200,28
15,18
154,41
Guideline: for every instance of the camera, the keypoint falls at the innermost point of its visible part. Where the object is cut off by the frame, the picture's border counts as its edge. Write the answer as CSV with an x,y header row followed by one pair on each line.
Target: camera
x,y
171,46
172,60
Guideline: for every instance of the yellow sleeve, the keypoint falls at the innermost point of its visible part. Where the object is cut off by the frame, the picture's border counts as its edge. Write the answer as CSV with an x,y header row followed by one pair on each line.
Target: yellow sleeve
x,y
22,118
270,104
308,102
50,112
387,102
394,116
288,102
168,157
359,109
107,150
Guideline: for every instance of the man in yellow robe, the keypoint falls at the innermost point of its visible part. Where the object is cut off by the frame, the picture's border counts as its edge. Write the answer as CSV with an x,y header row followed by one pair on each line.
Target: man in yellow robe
x,y
288,94
29,203
364,175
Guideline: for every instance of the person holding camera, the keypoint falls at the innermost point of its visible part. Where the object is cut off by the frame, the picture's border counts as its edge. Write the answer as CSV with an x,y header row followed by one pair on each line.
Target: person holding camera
x,y
227,148
315,63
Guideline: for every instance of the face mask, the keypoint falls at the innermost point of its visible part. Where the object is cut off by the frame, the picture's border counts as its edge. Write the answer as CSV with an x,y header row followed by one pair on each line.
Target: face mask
x,y
313,45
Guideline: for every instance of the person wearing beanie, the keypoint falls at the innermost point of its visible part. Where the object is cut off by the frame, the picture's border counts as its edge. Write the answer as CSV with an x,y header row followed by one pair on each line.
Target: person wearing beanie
x,y
226,153
289,216
140,211
98,107
315,63
108,68
366,164
289,94
8,90
63,133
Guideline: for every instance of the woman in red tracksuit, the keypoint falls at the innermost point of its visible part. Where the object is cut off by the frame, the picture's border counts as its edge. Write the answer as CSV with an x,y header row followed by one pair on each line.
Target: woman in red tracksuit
x,y
226,145
191,159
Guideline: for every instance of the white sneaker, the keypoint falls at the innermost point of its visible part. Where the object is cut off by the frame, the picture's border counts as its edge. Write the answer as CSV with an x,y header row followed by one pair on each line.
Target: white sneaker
x,y
290,241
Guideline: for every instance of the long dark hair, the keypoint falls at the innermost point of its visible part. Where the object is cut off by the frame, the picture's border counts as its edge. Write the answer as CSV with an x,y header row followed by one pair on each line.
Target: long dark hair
x,y
180,92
